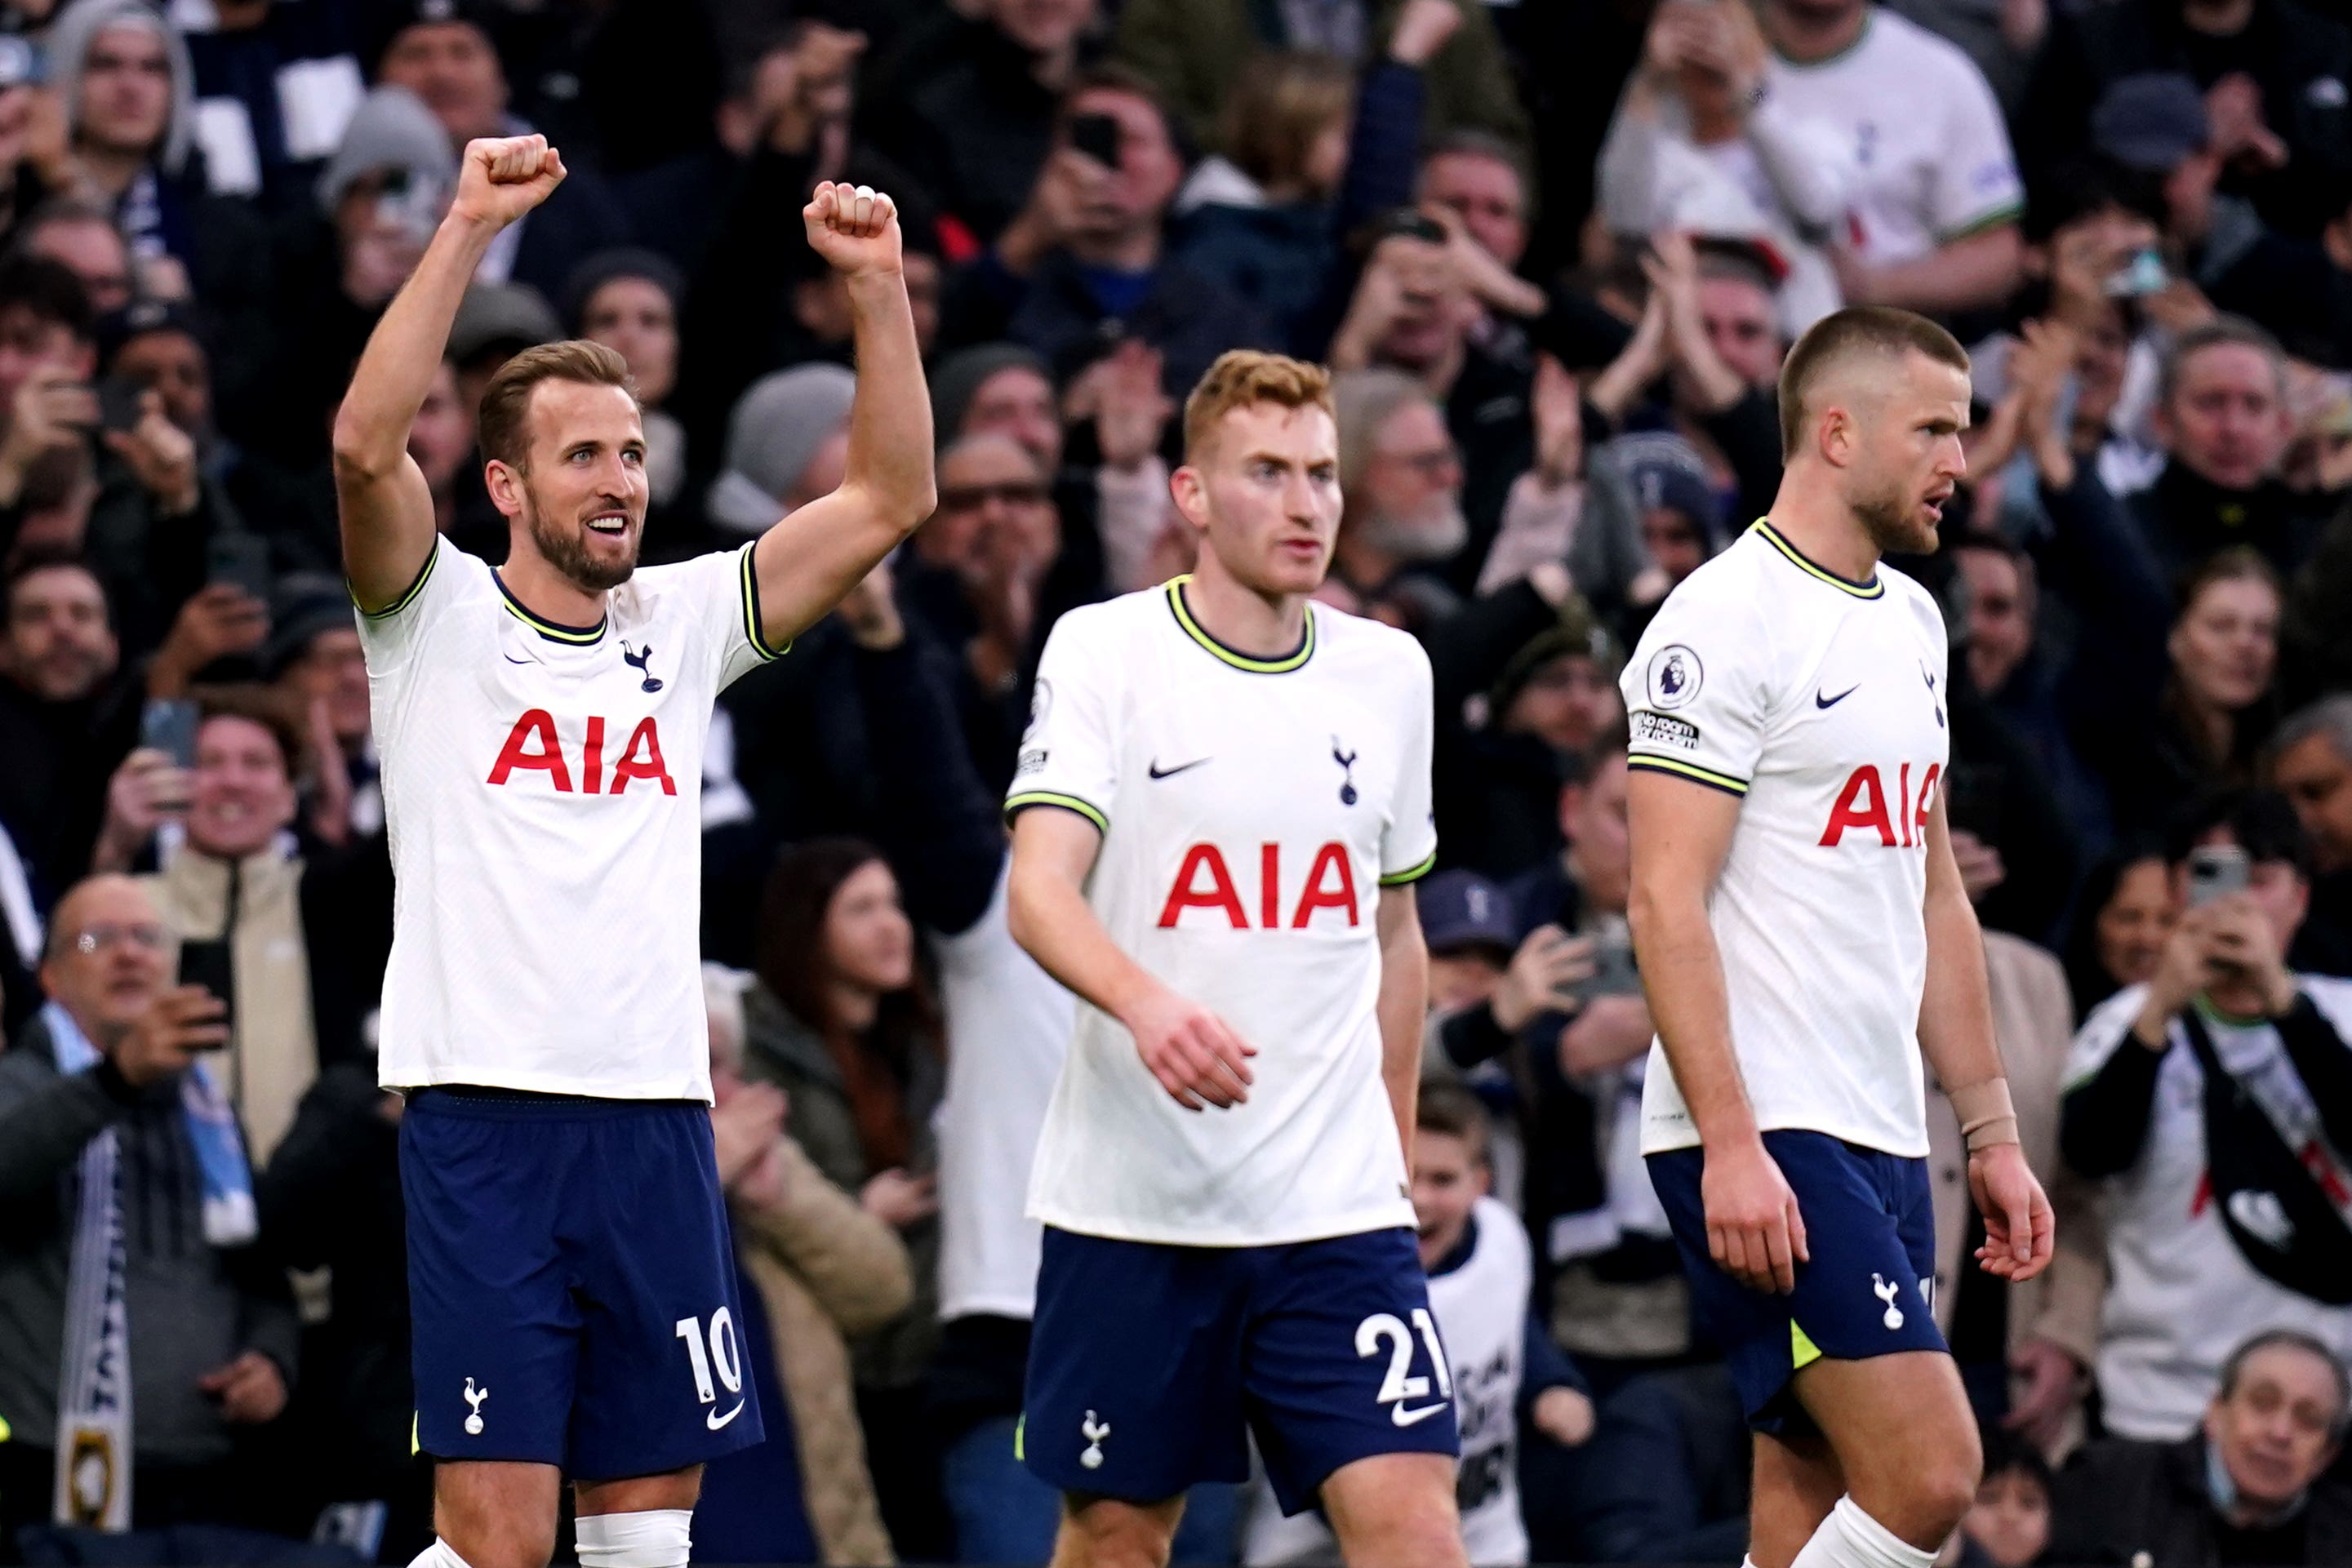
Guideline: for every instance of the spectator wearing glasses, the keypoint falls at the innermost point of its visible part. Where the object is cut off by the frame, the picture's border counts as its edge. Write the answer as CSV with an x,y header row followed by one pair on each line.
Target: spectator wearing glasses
x,y
1402,477
110,1115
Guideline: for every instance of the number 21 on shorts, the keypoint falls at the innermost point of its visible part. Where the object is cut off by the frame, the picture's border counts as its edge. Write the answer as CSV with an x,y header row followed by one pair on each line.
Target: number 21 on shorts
x,y
1400,1387
723,1357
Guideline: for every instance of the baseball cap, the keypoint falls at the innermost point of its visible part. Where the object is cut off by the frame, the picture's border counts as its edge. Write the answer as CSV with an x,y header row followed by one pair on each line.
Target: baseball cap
x,y
381,23
141,316
302,605
509,316
1462,909
2150,120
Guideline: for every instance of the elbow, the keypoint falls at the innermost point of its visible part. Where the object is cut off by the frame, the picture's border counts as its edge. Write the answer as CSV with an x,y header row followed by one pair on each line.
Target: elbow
x,y
360,454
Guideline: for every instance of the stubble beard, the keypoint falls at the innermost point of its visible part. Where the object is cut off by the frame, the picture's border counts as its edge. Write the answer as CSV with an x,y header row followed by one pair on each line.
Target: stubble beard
x,y
1887,515
567,552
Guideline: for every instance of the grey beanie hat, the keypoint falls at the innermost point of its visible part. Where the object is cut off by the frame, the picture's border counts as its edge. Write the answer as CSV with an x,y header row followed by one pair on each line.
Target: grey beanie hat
x,y
772,435
68,47
391,128
960,376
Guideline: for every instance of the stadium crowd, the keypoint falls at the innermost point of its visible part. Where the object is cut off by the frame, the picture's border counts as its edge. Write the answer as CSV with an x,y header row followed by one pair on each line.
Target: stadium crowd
x,y
1554,250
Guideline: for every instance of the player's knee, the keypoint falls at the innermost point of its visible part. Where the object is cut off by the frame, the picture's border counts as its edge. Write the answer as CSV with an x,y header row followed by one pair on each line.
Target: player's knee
x,y
1106,1532
476,1539
1948,1483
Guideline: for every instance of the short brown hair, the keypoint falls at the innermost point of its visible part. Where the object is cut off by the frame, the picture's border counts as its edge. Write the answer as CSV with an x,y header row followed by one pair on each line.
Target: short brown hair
x,y
1450,1110
1243,377
255,705
2214,334
1281,103
503,428
1847,334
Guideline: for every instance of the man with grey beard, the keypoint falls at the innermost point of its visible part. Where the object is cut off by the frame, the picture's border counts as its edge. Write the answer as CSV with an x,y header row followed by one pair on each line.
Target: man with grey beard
x,y
1400,476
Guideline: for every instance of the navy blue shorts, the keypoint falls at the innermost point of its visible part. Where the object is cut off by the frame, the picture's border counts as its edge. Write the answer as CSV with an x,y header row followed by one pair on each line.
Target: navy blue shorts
x,y
1150,1365
571,1283
1870,1225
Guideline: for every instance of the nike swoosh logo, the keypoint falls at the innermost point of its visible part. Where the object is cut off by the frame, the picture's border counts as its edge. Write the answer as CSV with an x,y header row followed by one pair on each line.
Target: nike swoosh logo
x,y
715,1420
1820,701
1404,1417
1159,772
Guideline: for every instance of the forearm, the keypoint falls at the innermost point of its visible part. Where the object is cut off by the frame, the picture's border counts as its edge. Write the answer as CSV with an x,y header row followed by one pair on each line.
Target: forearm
x,y
1682,971
44,1130
1956,1004
403,353
890,418
1975,270
1051,919
2103,1120
1402,1008
2324,1063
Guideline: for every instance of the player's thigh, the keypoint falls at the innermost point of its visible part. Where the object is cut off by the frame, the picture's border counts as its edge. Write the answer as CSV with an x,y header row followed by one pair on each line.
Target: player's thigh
x,y
1904,1437
496,1513
663,1379
1796,1482
1134,1389
1344,1362
494,1326
1394,1511
1112,1532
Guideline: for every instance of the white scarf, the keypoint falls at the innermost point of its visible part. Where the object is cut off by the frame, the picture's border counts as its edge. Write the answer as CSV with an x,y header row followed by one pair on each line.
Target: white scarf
x,y
93,1464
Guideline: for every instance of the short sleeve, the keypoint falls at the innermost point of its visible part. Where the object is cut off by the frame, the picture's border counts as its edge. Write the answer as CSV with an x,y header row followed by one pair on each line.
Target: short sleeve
x,y
1695,699
388,635
1069,755
724,592
1976,183
1408,843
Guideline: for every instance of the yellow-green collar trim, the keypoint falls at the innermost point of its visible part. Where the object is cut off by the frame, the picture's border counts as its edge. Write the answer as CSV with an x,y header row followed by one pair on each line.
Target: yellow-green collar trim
x,y
1237,659
578,636
1873,588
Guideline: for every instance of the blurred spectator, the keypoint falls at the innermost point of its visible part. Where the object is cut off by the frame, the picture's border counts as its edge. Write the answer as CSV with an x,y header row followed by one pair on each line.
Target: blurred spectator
x,y
1931,223
978,132
844,1022
813,1269
82,236
1699,146
2009,1524
64,720
1483,181
300,937
1665,1478
495,322
2311,765
1506,1374
786,443
2273,73
443,53
2140,1107
2251,1488
276,84
314,659
628,300
110,1118
1401,477
1570,507
1084,263
2218,706
2125,915
2222,418
1193,50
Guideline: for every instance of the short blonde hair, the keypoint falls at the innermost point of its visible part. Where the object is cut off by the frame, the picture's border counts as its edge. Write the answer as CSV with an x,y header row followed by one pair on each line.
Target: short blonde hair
x,y
1244,377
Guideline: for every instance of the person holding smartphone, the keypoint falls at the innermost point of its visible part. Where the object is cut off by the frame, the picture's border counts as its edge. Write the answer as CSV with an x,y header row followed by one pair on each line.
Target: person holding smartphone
x,y
2182,1292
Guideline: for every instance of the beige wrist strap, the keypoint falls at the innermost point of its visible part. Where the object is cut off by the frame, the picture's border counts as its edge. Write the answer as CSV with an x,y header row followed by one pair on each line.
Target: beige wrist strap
x,y
1987,1115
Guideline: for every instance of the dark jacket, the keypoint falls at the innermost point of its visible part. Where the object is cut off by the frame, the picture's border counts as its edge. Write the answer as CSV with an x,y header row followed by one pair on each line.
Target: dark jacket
x,y
1496,794
2185,518
975,131
192,1307
53,787
2122,1502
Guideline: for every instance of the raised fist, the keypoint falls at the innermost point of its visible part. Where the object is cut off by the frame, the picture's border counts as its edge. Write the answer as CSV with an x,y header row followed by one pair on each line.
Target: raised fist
x,y
854,227
503,177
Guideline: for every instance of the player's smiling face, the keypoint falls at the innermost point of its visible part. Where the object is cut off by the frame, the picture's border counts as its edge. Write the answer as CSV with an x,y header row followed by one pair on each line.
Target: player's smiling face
x,y
584,495
1266,495
1909,460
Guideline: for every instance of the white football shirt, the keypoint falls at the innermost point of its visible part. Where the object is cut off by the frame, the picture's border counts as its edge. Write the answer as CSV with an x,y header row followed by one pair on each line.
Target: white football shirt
x,y
1251,810
1819,702
542,800
1930,159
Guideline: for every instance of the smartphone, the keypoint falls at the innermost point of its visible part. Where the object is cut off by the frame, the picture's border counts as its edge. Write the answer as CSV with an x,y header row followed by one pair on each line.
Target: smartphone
x,y
240,559
117,404
1096,136
2217,871
208,964
170,727
1414,223
2142,273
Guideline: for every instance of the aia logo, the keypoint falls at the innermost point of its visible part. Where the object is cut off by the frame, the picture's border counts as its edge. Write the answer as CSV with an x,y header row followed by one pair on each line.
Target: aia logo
x,y
1900,819
532,747
1204,881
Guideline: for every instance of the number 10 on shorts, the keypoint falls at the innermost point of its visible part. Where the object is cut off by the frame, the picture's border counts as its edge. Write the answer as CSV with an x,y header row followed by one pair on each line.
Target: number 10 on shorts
x,y
723,1356
1398,1387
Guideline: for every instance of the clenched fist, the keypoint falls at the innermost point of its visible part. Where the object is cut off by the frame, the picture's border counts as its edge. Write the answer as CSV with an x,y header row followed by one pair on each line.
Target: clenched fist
x,y
503,177
854,227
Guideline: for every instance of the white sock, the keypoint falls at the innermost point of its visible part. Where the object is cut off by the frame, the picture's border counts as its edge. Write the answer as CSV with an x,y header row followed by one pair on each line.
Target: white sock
x,y
1848,1538
653,1538
438,1555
